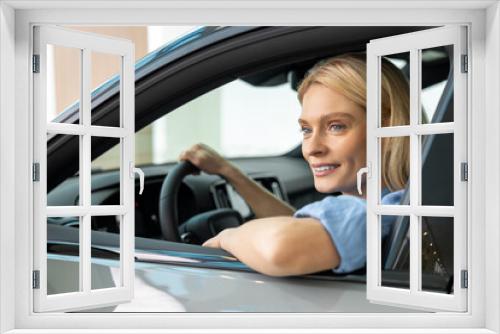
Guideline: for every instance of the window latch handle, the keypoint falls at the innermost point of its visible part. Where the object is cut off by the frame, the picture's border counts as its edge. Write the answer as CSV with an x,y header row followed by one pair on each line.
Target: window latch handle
x,y
365,170
135,170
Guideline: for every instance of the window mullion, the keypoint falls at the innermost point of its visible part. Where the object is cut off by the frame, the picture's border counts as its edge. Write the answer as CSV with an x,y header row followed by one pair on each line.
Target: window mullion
x,y
414,269
85,151
85,179
420,129
80,130
127,188
415,174
406,210
94,210
434,128
85,248
107,210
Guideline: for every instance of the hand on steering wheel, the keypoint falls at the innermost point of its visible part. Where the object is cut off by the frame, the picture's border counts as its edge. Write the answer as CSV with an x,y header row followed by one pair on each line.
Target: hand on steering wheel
x,y
206,224
206,159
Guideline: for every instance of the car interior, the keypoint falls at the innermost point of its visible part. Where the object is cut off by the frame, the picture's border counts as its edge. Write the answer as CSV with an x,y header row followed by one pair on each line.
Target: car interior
x,y
203,205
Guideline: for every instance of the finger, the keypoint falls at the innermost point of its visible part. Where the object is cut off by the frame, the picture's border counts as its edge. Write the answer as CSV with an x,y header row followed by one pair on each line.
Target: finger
x,y
188,156
183,155
212,242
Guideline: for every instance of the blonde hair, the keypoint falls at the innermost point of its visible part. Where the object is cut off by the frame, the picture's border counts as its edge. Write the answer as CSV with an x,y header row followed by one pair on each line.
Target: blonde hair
x,y
346,74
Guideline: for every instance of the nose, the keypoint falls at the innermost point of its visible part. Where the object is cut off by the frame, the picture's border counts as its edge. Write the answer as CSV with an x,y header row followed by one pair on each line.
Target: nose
x,y
315,145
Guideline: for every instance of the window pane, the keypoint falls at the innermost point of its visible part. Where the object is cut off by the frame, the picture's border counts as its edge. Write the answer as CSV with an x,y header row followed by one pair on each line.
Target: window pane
x,y
68,193
63,258
437,169
395,68
437,85
63,84
395,251
437,254
106,72
394,167
106,260
110,160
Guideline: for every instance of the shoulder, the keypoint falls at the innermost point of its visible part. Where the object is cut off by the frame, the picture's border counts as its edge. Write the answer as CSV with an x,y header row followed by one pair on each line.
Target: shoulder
x,y
340,200
343,205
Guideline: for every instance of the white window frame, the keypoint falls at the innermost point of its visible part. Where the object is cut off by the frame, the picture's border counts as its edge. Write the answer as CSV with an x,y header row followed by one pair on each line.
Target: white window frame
x,y
413,43
86,43
16,18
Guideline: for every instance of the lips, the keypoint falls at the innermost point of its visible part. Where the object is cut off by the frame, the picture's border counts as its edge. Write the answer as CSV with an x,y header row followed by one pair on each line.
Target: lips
x,y
324,169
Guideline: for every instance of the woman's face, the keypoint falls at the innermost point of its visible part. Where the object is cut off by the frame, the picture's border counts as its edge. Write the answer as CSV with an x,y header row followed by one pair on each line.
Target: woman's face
x,y
334,139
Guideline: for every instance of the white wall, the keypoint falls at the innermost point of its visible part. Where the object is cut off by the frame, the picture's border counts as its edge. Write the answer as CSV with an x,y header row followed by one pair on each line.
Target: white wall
x,y
7,167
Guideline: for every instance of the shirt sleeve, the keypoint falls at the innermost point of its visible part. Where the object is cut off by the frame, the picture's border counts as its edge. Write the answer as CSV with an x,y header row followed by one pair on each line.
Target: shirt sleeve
x,y
344,218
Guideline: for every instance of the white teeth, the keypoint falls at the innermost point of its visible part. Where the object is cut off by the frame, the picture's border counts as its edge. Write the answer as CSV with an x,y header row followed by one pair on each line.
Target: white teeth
x,y
324,168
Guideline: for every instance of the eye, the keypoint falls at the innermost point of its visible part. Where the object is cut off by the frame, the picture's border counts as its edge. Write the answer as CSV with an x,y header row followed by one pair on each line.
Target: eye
x,y
305,130
336,127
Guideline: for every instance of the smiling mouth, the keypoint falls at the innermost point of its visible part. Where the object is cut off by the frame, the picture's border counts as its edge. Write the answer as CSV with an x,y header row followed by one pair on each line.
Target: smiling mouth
x,y
324,169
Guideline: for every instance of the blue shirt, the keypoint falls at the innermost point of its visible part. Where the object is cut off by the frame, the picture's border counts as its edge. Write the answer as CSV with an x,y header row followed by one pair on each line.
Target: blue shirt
x,y
344,218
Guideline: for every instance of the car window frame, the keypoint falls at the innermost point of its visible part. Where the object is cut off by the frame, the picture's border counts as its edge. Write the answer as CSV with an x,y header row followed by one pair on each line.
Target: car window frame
x,y
25,319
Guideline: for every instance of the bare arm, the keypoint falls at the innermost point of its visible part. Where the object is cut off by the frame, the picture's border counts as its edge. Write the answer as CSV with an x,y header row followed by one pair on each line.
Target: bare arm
x,y
262,202
280,246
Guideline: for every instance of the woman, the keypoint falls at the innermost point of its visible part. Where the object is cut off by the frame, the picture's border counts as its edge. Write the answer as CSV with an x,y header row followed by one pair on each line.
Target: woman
x,y
329,234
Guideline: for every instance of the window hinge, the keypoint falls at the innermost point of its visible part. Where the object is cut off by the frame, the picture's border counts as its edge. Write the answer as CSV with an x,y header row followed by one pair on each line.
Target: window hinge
x,y
36,63
36,279
464,174
465,66
36,172
464,279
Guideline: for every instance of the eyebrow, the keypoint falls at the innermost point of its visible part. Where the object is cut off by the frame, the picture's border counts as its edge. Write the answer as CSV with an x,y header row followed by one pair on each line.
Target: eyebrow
x,y
331,115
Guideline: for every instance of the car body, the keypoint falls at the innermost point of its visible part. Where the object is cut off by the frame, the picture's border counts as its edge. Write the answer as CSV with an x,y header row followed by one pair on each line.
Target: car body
x,y
180,277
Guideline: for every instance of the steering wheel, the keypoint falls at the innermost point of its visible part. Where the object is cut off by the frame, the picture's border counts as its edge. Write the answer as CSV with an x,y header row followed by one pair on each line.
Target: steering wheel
x,y
199,227
169,219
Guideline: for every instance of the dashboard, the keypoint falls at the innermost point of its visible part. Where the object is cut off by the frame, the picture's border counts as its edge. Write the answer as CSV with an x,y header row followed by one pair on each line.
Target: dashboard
x,y
225,196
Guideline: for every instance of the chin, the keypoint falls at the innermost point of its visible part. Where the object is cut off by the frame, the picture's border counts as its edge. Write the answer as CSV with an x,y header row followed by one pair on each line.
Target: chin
x,y
325,188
